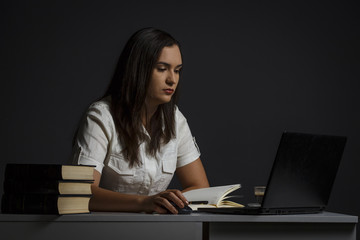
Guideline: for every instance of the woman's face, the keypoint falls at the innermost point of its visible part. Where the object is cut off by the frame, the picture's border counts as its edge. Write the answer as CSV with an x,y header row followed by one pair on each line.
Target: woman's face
x,y
165,76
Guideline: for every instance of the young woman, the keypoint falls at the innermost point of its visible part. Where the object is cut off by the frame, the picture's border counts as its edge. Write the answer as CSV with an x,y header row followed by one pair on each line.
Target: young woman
x,y
136,136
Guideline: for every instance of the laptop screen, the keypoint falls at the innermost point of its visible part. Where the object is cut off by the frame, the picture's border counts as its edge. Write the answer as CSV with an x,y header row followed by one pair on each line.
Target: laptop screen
x,y
304,171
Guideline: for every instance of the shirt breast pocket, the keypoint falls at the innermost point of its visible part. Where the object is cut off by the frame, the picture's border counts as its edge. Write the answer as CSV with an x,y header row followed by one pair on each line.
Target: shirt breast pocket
x,y
119,165
168,170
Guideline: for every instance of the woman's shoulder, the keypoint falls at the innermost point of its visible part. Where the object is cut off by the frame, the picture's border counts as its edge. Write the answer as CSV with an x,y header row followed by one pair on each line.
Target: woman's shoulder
x,y
179,116
100,107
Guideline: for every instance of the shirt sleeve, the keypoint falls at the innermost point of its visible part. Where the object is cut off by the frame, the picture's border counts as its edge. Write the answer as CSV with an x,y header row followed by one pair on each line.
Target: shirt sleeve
x,y
93,137
188,151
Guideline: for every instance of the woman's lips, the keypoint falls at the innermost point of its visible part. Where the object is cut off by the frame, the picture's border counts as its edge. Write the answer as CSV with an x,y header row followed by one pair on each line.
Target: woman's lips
x,y
169,91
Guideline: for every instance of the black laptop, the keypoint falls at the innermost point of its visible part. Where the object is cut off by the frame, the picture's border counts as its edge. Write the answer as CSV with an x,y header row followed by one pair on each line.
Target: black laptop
x,y
301,178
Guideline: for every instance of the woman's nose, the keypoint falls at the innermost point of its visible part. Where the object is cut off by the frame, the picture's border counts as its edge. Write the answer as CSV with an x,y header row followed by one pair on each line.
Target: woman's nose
x,y
171,79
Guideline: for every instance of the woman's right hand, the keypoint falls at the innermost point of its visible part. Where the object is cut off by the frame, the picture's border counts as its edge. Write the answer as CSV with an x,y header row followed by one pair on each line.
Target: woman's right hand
x,y
160,202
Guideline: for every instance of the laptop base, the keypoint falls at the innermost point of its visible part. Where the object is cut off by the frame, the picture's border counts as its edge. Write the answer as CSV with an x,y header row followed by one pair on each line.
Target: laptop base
x,y
261,211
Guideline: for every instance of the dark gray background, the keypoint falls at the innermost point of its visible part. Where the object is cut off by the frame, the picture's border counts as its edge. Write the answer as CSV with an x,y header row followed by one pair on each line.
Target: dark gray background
x,y
252,69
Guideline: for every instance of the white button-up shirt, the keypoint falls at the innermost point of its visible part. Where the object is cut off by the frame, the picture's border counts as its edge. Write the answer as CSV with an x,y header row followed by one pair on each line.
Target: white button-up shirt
x,y
97,143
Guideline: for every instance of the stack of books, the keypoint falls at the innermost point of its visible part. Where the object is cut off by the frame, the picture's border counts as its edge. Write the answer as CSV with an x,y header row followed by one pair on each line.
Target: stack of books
x,y
47,188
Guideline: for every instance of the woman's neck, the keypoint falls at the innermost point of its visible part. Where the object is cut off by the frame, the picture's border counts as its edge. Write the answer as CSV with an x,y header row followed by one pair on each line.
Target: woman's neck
x,y
148,113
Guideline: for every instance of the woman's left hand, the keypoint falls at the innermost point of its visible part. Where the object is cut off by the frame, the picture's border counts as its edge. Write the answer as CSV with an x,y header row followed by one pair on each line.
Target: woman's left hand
x,y
160,202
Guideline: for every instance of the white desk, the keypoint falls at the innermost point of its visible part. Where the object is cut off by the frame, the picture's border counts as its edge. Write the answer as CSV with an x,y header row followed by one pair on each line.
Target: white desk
x,y
97,226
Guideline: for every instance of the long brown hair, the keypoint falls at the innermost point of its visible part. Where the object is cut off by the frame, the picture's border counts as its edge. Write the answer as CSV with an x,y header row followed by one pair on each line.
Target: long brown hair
x,y
128,90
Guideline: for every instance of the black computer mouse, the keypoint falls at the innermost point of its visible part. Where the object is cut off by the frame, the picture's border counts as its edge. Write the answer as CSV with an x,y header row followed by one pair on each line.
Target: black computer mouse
x,y
184,210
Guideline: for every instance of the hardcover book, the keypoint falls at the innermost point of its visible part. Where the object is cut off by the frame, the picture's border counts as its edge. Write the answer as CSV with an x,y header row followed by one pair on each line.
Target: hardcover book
x,y
47,188
37,186
49,172
44,204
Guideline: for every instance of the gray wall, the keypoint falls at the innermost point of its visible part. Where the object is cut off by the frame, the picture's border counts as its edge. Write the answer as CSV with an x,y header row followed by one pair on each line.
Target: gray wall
x,y
252,70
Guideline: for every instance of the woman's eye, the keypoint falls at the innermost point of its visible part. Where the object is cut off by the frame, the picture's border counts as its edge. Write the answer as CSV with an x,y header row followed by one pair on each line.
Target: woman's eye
x,y
161,69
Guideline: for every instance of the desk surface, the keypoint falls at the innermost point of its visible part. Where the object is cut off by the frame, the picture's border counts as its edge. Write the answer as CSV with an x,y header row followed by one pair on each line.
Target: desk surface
x,y
325,217
196,226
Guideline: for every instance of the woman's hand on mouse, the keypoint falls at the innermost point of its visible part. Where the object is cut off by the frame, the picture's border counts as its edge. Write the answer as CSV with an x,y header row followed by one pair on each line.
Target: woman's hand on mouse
x,y
160,202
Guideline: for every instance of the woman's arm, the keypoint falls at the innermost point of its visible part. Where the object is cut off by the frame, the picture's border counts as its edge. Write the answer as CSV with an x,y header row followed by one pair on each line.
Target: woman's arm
x,y
192,176
106,200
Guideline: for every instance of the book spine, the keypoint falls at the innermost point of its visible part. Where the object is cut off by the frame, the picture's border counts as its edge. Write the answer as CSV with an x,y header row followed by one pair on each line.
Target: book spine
x,y
30,203
34,171
20,186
